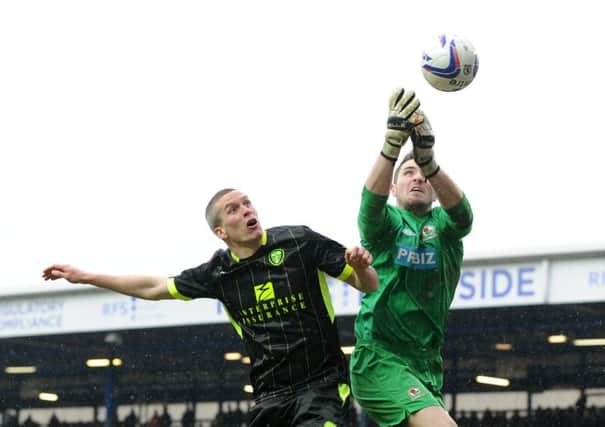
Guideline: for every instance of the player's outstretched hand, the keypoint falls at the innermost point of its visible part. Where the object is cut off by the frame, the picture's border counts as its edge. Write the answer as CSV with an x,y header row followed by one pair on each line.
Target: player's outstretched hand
x,y
358,257
402,120
63,271
423,139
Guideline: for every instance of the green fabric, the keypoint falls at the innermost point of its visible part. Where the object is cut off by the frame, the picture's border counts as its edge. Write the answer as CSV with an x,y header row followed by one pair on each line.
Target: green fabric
x,y
418,260
396,368
391,388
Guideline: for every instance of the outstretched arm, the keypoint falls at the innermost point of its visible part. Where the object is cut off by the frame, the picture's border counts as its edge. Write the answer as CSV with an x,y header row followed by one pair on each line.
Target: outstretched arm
x,y
146,287
363,277
448,193
381,174
423,139
401,121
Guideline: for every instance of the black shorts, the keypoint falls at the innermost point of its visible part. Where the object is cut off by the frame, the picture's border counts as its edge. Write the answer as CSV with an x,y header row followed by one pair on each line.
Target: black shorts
x,y
322,403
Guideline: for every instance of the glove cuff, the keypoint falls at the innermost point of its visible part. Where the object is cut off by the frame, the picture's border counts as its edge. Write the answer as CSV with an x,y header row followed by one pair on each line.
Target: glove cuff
x,y
390,151
430,169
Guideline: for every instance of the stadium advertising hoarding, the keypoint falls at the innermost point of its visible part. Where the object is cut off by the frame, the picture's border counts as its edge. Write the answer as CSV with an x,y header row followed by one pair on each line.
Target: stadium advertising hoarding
x,y
493,285
576,281
502,285
90,311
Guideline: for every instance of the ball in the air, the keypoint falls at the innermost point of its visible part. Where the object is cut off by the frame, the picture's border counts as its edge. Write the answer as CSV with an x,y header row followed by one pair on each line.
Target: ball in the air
x,y
450,64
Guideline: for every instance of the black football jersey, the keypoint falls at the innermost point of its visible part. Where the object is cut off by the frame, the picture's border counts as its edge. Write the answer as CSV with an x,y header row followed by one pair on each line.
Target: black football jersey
x,y
279,303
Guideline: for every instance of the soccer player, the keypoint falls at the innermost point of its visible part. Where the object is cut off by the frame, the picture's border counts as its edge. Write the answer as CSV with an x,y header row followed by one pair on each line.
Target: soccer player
x,y
396,368
272,283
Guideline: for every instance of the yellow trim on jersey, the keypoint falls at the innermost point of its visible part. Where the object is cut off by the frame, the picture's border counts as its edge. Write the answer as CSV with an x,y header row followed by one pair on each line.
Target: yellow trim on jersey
x,y
236,326
325,293
174,291
344,391
263,242
346,273
177,295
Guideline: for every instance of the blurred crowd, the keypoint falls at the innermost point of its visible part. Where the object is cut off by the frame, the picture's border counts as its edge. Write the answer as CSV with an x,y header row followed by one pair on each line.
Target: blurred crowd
x,y
569,417
574,416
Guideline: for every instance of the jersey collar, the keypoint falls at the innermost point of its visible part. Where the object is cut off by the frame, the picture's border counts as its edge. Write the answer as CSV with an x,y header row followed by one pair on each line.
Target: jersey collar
x,y
263,242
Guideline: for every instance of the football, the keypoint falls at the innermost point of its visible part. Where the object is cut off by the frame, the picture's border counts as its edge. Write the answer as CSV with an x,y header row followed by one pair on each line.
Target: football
x,y
450,64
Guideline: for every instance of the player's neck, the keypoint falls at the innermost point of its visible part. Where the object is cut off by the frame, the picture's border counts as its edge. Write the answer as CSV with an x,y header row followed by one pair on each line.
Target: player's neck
x,y
417,209
243,250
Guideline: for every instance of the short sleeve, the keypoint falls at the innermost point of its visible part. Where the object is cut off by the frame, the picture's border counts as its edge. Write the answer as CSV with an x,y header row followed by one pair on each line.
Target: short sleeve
x,y
329,255
376,222
198,282
458,220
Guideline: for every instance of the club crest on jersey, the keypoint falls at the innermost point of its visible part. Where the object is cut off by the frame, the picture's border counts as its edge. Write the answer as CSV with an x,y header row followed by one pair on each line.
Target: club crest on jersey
x,y
276,257
429,232
264,292
417,258
414,393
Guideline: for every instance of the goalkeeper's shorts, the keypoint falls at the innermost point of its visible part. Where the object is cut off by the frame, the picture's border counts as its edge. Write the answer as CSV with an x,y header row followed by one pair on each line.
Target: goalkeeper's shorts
x,y
390,388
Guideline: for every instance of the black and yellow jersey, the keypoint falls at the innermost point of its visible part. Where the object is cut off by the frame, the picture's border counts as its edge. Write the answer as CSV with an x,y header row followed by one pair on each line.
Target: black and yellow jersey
x,y
279,303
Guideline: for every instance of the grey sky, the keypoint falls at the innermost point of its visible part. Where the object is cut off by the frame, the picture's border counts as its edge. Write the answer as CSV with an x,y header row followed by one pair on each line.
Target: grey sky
x,y
119,119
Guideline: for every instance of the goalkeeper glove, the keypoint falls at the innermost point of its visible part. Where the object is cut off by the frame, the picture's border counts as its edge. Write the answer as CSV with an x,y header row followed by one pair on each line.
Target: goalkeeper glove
x,y
423,140
402,120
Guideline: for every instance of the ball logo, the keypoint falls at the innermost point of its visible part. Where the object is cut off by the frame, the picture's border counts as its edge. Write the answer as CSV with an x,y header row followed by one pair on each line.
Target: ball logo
x,y
276,257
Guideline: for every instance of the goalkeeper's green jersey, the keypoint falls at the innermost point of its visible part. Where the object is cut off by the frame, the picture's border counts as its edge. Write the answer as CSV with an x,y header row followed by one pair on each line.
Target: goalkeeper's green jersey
x,y
418,260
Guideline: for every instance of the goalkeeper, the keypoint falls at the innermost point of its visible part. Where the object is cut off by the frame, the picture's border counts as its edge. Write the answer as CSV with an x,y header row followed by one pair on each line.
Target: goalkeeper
x,y
397,368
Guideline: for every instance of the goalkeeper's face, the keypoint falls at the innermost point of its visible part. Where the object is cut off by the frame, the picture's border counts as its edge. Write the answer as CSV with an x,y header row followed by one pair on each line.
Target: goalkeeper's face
x,y
411,189
238,219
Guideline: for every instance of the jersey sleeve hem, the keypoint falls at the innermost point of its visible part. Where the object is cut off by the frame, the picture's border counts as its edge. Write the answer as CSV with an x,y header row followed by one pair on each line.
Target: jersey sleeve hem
x,y
171,284
461,214
373,202
346,273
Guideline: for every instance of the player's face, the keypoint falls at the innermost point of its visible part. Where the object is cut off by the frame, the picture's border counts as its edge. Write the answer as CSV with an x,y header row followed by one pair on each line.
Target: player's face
x,y
412,190
239,220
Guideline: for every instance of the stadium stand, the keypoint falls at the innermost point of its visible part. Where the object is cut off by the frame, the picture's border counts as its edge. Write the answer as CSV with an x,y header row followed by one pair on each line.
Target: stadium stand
x,y
523,318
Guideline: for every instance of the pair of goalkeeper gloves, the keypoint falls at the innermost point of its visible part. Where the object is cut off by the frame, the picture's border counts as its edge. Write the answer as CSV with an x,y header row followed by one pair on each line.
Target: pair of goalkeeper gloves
x,y
405,120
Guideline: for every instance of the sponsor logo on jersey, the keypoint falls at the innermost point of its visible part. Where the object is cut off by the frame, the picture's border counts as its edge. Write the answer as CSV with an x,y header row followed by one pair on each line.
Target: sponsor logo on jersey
x,y
264,292
276,257
269,307
414,393
417,258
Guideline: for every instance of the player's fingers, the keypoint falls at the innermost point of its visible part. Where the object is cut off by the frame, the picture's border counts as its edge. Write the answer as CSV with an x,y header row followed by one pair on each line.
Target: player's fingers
x,y
410,107
405,98
368,257
395,97
55,271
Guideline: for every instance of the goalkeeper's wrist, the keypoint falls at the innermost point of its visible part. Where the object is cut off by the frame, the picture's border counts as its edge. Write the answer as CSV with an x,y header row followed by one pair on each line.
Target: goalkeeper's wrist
x,y
390,151
430,169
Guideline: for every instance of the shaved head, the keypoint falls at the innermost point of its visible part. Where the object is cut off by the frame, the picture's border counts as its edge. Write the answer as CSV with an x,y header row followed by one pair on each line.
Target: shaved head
x,y
212,215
